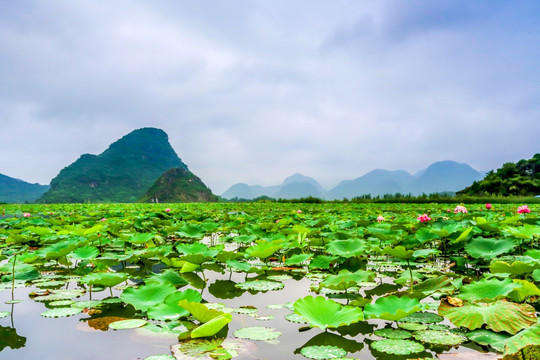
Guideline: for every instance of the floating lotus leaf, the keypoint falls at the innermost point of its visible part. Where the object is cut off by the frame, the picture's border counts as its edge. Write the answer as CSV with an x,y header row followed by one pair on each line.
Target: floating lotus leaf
x,y
440,327
487,337
298,259
212,349
60,295
127,324
393,333
515,268
346,279
61,312
440,284
487,249
50,284
261,285
397,347
169,309
85,253
392,308
498,316
438,337
160,357
422,317
257,333
263,249
322,261
324,313
22,271
398,252
147,296
527,338
87,304
4,314
170,276
295,318
346,248
107,279
412,326
492,289
281,277
323,352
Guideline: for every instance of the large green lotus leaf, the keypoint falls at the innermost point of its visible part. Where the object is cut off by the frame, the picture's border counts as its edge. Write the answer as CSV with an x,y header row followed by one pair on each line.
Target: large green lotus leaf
x,y
323,352
488,337
322,261
147,296
522,293
346,248
536,275
441,284
392,308
260,285
424,235
85,253
398,252
169,309
141,238
397,347
257,333
492,289
211,327
195,260
438,337
463,236
298,259
346,279
200,311
424,253
192,231
487,249
527,338
515,268
127,324
525,232
107,279
22,271
498,316
198,248
170,276
324,313
263,249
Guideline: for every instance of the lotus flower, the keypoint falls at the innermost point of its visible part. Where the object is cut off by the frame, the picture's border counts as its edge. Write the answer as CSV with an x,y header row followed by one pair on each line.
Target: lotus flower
x,y
448,210
460,209
423,218
298,211
523,209
380,218
26,215
488,206
167,210
103,219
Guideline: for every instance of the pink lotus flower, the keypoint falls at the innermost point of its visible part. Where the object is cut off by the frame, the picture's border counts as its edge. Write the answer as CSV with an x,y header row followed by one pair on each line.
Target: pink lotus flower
x,y
380,218
167,210
26,215
298,211
103,219
460,209
523,209
448,210
488,206
423,218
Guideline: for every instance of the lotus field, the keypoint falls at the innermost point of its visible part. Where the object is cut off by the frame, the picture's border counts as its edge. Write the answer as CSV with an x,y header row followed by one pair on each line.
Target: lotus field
x,y
270,281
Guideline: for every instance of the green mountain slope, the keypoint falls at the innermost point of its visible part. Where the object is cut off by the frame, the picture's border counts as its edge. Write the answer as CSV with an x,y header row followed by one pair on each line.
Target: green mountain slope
x,y
517,179
18,191
122,173
178,185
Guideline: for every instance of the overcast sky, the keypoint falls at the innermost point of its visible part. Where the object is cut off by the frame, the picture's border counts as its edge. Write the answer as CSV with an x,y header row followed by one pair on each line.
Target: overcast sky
x,y
254,91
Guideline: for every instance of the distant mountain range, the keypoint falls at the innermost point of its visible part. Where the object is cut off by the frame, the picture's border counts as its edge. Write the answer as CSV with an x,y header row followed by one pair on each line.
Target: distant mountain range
x,y
443,176
18,191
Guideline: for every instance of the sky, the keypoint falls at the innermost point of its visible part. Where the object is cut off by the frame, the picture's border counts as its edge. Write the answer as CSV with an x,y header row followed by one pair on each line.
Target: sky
x,y
255,91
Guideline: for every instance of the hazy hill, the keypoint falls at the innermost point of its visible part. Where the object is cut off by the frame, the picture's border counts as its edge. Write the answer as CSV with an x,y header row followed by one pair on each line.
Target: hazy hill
x,y
519,179
122,173
18,191
178,185
444,176
295,186
376,182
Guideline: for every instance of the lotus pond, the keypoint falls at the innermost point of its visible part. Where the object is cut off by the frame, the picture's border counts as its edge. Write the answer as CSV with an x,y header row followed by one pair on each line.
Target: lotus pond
x,y
269,281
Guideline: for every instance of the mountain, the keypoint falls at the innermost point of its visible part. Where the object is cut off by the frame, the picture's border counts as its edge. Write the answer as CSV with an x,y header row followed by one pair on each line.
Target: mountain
x,y
293,187
444,176
514,179
18,191
376,182
178,185
122,173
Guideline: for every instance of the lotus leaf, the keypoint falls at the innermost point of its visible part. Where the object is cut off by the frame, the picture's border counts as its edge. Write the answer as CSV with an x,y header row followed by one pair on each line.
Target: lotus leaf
x,y
438,337
393,333
422,317
127,324
487,337
147,296
295,318
487,289
489,248
169,276
412,326
170,309
298,259
86,304
61,312
424,253
498,316
323,352
397,347
22,271
515,268
160,357
192,231
85,253
218,349
346,279
346,248
261,285
522,293
324,313
257,333
212,326
61,295
392,308
107,279
263,249
322,262
536,275
398,252
3,314
527,338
